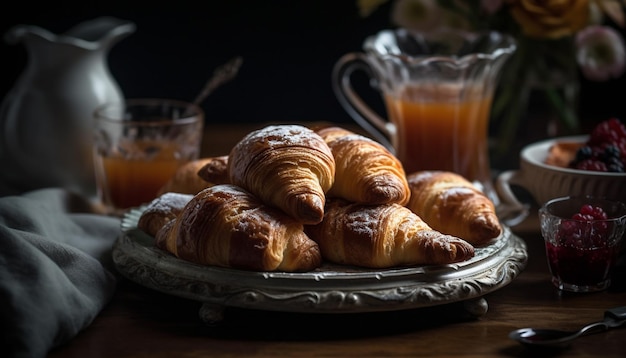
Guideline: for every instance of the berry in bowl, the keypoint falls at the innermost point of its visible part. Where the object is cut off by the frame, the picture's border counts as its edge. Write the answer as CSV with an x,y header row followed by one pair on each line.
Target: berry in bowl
x,y
603,151
590,165
583,238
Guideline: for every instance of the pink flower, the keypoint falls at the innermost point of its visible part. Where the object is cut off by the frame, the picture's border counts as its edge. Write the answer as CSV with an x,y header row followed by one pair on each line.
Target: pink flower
x,y
600,53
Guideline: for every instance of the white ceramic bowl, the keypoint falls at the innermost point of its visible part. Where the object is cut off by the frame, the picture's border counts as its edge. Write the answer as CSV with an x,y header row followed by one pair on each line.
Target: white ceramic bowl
x,y
544,182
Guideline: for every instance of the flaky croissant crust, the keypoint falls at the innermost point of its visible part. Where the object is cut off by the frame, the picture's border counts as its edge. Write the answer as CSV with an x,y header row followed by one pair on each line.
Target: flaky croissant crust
x,y
162,210
227,226
215,170
451,204
186,179
365,171
289,166
383,236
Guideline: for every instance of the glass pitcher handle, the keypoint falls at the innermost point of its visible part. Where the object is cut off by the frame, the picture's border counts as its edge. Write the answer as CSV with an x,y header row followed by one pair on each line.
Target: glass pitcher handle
x,y
352,103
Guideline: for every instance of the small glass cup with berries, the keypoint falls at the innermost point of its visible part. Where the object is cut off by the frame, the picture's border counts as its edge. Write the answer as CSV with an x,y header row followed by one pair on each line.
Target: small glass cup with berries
x,y
583,236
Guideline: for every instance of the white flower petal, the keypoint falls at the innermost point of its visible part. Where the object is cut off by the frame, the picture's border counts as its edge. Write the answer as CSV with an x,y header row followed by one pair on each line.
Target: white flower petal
x,y
600,53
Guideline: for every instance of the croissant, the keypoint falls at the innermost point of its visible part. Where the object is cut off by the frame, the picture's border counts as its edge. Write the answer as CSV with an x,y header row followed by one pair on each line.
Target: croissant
x,y
215,171
365,171
162,210
382,236
226,226
287,166
186,179
451,204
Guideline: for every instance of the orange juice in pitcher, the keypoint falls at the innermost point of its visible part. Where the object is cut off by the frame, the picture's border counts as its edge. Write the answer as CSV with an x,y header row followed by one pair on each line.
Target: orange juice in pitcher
x,y
441,132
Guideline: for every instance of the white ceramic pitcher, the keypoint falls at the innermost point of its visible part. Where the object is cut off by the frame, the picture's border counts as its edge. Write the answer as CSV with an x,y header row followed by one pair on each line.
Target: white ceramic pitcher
x,y
46,118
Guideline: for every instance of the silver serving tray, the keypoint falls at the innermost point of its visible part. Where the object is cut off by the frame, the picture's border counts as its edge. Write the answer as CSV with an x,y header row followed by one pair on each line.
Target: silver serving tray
x,y
328,289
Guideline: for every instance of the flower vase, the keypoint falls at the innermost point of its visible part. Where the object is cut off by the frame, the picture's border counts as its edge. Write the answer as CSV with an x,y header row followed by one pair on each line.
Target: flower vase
x,y
537,98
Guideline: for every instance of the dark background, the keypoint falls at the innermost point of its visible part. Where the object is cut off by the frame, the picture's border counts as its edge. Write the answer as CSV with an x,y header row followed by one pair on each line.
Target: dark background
x,y
288,48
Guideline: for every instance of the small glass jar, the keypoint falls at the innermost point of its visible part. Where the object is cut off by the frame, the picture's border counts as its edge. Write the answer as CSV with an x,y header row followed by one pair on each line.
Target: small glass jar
x,y
582,248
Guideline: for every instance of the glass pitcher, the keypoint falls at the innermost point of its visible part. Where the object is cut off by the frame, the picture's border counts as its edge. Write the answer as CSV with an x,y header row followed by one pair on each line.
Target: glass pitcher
x,y
437,88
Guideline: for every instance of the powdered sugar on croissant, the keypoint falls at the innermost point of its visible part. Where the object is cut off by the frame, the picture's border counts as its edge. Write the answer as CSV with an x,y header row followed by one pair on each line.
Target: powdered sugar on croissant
x,y
162,210
287,166
383,236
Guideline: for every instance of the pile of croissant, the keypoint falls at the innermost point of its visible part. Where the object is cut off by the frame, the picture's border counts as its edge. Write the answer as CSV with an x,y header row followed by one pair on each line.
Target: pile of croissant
x,y
288,198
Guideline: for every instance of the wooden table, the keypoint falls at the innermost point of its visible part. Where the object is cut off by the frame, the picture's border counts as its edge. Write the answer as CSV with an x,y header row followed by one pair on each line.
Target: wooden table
x,y
140,322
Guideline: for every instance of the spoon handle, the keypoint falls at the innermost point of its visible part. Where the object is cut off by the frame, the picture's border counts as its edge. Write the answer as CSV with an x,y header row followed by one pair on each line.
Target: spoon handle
x,y
221,75
613,317
592,327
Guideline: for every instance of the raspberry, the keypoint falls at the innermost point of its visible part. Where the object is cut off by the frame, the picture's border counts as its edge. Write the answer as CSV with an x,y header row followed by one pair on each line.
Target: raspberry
x,y
621,146
609,131
591,164
587,225
591,213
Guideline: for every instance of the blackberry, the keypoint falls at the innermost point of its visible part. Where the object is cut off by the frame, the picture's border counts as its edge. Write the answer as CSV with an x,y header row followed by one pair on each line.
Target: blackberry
x,y
611,151
584,152
615,165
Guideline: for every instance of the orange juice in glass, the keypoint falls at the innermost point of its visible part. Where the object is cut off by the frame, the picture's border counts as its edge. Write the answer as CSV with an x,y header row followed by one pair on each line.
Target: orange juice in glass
x,y
139,145
437,88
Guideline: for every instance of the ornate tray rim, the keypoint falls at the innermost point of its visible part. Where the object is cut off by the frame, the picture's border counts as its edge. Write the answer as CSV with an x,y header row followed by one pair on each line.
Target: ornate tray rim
x,y
329,289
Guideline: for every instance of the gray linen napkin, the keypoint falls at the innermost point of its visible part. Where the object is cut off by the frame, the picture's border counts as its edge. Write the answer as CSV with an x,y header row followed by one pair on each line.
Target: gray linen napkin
x,y
55,270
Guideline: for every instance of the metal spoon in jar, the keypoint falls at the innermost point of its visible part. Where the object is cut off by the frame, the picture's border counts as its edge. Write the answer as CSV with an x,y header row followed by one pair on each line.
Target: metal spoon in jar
x,y
614,317
221,75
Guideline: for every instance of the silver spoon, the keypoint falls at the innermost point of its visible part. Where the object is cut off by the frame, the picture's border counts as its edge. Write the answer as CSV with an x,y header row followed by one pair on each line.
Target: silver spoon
x,y
221,75
614,317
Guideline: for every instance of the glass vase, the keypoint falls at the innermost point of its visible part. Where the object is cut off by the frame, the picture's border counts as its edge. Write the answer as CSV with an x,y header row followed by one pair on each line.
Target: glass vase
x,y
537,97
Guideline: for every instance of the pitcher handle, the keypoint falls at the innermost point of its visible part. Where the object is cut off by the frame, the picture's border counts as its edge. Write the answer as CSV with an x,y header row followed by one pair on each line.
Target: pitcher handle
x,y
363,115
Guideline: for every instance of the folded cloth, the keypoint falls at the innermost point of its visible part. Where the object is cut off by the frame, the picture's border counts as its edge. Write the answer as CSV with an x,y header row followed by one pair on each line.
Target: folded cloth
x,y
55,270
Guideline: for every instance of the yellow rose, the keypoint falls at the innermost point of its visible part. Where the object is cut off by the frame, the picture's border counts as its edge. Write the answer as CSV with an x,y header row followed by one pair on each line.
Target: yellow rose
x,y
550,18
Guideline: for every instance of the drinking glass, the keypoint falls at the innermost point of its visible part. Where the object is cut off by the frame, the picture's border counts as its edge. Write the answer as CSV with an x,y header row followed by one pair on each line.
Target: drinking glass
x,y
581,250
138,146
